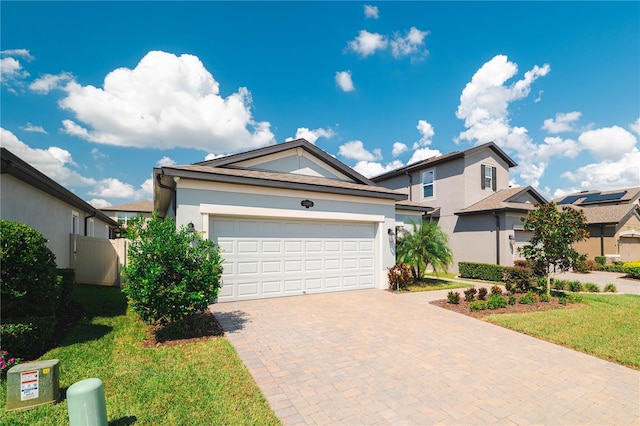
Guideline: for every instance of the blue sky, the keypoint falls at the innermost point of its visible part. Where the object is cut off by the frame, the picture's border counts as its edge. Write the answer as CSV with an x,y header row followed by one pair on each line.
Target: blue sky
x,y
96,94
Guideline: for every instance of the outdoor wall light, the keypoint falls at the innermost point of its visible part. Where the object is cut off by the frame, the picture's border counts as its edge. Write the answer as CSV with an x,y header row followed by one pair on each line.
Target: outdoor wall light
x,y
512,239
391,235
306,203
191,227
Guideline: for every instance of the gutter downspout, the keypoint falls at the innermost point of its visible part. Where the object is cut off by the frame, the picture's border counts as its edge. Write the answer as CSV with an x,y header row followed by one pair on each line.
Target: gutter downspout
x,y
602,239
410,185
497,238
173,191
85,222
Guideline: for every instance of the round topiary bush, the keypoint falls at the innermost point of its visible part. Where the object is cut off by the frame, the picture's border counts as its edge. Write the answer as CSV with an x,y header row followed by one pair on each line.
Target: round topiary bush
x,y
28,275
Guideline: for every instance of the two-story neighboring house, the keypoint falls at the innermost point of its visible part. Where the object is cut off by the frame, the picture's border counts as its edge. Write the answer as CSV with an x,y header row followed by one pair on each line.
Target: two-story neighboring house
x,y
468,194
613,219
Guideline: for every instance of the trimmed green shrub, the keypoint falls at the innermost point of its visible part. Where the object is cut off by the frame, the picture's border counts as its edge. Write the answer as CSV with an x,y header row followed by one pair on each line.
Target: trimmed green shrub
x,y
632,269
559,284
574,286
610,288
512,300
517,279
478,305
482,293
496,301
480,271
544,297
67,277
26,337
171,273
528,298
470,294
399,276
600,260
591,287
28,278
453,297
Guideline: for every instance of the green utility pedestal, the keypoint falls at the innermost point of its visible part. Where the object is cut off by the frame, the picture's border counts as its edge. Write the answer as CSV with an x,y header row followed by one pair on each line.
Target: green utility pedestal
x,y
32,384
86,403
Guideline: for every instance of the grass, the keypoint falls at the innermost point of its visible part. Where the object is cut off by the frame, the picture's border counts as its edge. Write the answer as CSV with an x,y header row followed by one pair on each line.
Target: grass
x,y
605,326
431,284
198,383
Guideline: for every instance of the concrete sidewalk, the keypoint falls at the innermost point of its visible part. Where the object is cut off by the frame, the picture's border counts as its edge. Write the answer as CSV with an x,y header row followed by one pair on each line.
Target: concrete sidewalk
x,y
624,285
375,357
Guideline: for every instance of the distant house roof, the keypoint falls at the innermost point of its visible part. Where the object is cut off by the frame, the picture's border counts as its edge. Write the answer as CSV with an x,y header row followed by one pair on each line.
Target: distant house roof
x,y
18,168
595,197
145,206
608,214
505,200
444,158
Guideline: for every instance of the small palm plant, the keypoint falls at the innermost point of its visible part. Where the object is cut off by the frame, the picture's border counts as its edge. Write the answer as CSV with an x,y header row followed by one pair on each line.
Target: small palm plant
x,y
426,245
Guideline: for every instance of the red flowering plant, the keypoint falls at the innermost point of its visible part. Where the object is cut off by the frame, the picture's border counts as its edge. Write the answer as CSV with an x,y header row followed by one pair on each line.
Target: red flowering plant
x,y
6,363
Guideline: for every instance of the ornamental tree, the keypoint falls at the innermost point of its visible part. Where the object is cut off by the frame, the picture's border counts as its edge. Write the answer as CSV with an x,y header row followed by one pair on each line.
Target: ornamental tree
x,y
171,273
426,244
554,233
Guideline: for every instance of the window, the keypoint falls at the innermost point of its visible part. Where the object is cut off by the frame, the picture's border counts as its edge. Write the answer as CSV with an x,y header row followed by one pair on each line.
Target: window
x,y
428,179
75,222
123,217
488,177
90,231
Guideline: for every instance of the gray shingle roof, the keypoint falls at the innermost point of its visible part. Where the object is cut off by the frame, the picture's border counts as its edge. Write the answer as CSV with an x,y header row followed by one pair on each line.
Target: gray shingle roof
x,y
145,206
503,200
607,214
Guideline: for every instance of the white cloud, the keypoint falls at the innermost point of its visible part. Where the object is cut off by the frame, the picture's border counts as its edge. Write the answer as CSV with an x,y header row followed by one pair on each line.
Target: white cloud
x,y
608,174
11,72
557,147
410,44
96,154
99,203
635,126
344,81
53,162
114,188
21,53
355,150
146,190
484,107
165,161
312,135
564,122
166,101
422,154
426,134
608,143
213,156
367,43
370,169
31,128
49,82
371,11
399,148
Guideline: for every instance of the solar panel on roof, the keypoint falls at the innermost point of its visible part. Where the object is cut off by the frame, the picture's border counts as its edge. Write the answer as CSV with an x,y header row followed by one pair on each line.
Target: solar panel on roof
x,y
570,199
599,197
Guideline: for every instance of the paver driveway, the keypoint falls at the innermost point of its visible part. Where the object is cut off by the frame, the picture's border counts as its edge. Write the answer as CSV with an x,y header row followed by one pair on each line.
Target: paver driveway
x,y
373,357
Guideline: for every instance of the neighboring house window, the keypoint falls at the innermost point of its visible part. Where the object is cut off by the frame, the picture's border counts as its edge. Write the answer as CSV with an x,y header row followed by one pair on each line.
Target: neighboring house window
x,y
90,231
124,217
428,179
488,177
75,223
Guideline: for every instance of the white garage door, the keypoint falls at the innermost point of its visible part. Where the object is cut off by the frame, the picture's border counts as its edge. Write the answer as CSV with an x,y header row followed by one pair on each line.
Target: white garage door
x,y
274,258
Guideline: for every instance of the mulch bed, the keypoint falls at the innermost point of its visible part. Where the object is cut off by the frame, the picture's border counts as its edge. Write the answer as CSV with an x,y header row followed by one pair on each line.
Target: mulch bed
x,y
196,328
463,307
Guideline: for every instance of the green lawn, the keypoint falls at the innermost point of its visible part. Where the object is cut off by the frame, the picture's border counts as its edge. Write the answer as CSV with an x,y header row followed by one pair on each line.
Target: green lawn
x,y
430,284
606,326
194,384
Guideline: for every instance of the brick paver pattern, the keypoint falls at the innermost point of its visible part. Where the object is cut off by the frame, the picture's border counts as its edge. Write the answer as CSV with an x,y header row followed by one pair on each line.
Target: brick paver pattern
x,y
374,357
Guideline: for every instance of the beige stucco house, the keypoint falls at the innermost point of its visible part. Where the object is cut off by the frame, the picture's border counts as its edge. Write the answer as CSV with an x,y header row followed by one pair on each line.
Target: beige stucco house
x,y
290,219
30,197
613,219
122,213
468,194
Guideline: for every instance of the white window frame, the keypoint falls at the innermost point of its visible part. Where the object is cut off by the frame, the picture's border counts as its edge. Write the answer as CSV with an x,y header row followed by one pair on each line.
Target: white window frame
x,y
91,230
75,222
489,177
432,184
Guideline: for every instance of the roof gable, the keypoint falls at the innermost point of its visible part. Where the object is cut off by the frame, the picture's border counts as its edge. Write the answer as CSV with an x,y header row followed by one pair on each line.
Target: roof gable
x,y
296,157
511,199
430,162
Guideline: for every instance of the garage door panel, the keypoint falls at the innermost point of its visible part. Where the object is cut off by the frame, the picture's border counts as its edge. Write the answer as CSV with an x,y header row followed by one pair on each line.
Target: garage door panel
x,y
270,258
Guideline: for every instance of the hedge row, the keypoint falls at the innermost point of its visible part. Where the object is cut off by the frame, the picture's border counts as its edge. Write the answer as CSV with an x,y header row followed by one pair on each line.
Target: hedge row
x,y
480,271
632,269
